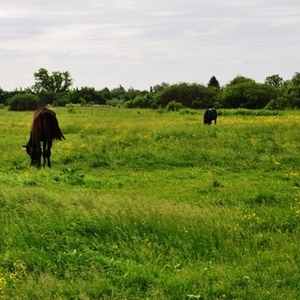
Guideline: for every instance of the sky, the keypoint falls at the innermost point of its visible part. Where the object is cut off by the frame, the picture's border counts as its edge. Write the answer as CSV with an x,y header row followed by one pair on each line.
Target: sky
x,y
139,43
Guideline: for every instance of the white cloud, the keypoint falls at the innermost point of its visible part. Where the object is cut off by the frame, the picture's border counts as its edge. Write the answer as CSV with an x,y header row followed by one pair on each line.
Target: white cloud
x,y
107,43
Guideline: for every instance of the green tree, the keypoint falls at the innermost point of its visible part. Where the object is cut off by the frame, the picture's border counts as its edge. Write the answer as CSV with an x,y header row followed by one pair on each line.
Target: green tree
x,y
213,82
49,97
141,101
118,93
290,92
159,87
133,93
189,95
106,93
240,79
274,80
292,96
296,79
3,96
55,82
247,94
23,102
90,95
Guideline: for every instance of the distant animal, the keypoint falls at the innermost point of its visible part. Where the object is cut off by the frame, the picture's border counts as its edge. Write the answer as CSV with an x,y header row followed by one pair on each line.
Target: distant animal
x,y
209,116
45,129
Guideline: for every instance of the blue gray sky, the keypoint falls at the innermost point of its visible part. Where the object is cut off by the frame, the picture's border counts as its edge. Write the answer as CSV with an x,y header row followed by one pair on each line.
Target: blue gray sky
x,y
139,43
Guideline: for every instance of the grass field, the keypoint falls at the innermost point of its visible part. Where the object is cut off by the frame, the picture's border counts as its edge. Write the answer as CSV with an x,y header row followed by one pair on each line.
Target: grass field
x,y
143,204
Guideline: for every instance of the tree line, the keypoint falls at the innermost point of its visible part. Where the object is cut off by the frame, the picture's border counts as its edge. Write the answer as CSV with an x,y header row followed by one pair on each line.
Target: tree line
x,y
241,92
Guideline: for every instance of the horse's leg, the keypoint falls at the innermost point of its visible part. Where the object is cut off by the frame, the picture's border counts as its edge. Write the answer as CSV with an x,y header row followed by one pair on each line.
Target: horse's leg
x,y
39,153
44,152
49,152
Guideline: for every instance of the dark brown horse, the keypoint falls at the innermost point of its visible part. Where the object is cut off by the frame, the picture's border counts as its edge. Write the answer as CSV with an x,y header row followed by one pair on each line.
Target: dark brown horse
x,y
45,129
210,115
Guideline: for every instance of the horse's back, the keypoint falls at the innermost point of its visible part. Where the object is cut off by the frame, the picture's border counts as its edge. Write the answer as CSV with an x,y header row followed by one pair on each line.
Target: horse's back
x,y
45,125
42,111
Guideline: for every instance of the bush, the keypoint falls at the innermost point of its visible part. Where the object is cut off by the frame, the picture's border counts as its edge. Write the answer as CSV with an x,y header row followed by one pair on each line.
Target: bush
x,y
275,105
70,108
174,106
194,96
61,100
141,101
47,97
248,94
291,94
23,102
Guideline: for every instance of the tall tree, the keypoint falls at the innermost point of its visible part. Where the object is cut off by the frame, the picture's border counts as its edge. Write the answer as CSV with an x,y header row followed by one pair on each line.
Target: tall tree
x,y
213,82
55,82
240,79
3,96
274,80
118,92
159,87
247,94
189,95
296,79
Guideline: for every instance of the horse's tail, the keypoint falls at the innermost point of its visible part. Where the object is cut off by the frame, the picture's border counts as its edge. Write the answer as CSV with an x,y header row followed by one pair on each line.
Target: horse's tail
x,y
57,134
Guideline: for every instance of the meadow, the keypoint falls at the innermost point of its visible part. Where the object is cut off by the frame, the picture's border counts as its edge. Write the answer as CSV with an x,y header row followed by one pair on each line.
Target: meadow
x,y
144,204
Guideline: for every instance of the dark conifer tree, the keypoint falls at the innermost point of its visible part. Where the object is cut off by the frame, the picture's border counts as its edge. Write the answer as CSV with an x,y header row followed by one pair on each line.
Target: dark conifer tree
x,y
213,82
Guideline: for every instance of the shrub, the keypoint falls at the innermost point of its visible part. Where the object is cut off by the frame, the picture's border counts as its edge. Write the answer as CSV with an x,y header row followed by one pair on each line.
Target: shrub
x,y
275,105
47,97
23,102
174,106
70,108
189,95
248,94
141,101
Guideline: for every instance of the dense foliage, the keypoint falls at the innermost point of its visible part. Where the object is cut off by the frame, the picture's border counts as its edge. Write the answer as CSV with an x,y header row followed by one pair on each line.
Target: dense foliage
x,y
248,94
241,92
23,102
56,82
189,95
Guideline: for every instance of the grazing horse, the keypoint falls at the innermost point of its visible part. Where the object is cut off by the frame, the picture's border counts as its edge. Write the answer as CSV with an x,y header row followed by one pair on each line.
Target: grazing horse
x,y
210,115
45,129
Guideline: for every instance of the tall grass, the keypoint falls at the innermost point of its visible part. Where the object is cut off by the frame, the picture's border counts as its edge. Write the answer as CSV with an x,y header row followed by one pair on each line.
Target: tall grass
x,y
141,204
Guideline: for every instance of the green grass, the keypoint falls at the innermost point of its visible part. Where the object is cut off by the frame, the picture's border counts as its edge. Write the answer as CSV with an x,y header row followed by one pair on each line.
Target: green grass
x,y
143,204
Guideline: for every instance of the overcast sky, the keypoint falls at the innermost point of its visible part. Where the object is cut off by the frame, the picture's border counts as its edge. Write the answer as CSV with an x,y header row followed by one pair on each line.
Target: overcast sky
x,y
139,43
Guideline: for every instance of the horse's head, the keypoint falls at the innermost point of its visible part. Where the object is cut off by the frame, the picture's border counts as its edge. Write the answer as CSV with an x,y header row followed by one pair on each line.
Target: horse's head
x,y
28,149
33,153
